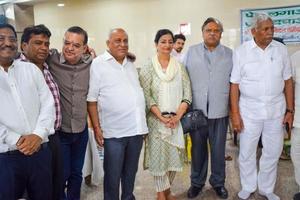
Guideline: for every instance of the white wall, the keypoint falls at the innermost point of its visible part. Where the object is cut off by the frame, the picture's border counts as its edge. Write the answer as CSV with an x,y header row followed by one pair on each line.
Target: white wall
x,y
142,18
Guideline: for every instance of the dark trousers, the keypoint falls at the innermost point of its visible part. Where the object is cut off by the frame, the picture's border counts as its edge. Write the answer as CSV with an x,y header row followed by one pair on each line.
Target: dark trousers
x,y
73,146
57,166
31,173
121,158
215,133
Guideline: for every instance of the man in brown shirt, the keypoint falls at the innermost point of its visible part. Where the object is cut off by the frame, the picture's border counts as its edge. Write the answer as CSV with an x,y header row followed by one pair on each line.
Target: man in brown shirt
x,y
70,70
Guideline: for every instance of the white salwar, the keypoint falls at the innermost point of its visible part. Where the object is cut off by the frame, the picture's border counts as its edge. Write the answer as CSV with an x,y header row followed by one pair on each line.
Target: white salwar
x,y
170,91
272,132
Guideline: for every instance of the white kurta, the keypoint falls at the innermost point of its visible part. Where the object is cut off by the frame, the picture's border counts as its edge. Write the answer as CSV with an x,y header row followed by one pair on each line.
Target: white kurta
x,y
261,75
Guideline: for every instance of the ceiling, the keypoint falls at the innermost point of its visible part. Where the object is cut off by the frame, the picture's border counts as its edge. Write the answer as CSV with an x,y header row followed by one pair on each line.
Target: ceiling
x,y
26,2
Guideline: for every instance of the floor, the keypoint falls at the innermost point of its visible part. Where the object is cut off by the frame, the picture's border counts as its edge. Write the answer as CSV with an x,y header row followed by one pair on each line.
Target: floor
x,y
144,188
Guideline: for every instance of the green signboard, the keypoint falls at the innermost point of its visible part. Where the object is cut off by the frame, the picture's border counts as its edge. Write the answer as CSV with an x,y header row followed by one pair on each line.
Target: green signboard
x,y
286,21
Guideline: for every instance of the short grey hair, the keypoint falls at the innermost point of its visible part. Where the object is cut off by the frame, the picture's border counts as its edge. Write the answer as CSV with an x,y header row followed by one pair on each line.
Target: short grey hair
x,y
259,17
111,31
212,19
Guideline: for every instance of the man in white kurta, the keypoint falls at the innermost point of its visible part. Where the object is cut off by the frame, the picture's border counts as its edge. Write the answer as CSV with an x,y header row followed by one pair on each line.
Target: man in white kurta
x,y
261,103
295,139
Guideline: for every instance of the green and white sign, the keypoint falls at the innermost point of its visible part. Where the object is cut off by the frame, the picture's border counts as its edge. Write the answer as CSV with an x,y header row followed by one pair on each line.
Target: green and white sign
x,y
286,21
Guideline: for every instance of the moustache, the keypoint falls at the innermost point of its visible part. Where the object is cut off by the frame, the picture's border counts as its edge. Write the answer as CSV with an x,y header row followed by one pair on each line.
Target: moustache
x,y
68,52
8,48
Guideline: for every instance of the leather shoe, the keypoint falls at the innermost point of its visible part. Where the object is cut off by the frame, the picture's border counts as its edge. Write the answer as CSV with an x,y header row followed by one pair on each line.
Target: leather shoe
x,y
297,196
221,192
194,191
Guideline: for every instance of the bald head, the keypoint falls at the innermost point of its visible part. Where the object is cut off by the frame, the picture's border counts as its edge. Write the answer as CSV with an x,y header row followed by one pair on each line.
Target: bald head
x,y
115,30
117,44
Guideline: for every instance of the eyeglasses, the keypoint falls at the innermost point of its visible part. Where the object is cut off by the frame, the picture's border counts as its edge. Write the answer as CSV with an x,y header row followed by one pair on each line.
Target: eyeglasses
x,y
168,114
215,31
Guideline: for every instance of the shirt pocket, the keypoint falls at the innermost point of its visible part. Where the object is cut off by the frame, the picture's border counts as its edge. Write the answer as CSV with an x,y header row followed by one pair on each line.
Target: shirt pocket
x,y
251,70
276,67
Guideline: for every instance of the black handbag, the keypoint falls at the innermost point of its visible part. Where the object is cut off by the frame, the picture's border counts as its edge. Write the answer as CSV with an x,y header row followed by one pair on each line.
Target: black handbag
x,y
193,120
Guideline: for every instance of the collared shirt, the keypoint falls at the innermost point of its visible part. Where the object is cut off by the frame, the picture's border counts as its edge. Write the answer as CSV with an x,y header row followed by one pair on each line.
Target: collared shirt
x,y
26,104
209,73
73,83
295,60
179,56
121,102
54,91
261,75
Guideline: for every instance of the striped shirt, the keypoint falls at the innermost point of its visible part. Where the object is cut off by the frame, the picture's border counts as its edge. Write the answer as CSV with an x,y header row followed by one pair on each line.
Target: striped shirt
x,y
54,91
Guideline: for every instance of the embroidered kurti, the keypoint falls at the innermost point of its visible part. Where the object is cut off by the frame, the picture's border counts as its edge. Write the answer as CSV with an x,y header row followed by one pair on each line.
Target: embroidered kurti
x,y
160,156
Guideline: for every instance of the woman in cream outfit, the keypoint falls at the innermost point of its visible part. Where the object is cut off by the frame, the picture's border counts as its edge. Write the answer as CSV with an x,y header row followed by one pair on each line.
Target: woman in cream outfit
x,y
168,94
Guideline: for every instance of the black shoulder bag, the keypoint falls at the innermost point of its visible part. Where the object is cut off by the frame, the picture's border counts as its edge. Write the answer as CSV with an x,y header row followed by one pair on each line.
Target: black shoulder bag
x,y
193,120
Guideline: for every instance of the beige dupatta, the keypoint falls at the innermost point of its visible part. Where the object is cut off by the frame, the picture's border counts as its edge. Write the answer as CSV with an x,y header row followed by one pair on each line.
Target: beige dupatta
x,y
170,96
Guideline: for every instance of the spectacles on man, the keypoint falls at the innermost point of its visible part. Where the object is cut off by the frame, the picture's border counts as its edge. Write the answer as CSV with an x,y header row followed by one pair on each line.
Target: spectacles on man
x,y
215,31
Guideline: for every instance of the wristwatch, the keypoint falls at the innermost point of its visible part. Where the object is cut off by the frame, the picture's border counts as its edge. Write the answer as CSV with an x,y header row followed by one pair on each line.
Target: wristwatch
x,y
289,111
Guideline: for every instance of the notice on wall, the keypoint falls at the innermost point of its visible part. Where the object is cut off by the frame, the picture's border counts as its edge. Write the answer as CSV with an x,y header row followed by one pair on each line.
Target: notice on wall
x,y
185,28
286,22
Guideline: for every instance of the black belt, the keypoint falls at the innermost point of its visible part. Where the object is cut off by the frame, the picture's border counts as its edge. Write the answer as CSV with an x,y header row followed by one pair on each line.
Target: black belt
x,y
168,114
16,152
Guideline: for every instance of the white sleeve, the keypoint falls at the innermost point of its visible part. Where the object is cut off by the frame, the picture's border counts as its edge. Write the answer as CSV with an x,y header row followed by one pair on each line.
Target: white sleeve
x,y
287,70
294,72
185,57
236,69
45,122
295,63
94,85
7,138
182,57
